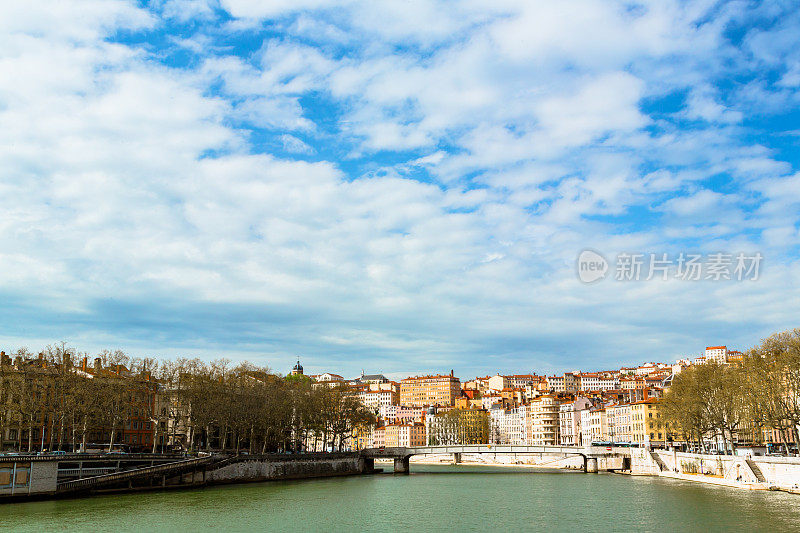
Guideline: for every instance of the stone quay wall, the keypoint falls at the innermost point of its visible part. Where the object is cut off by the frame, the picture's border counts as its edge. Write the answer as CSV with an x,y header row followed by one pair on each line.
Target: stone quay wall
x,y
273,467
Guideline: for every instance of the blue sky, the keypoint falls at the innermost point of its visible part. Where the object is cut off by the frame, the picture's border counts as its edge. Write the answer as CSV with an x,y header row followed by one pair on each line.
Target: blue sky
x,y
395,186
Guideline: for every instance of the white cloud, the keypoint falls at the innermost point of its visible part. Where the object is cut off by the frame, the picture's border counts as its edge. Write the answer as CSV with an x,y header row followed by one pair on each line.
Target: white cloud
x,y
294,145
509,137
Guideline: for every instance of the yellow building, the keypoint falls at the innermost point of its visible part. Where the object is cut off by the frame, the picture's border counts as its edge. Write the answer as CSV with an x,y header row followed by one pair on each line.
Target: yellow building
x,y
647,422
423,391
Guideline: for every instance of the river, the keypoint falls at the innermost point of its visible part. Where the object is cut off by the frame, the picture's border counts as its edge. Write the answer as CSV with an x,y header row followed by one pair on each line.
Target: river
x,y
431,498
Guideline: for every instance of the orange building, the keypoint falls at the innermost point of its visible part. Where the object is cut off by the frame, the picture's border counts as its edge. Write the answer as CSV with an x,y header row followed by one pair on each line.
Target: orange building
x,y
437,390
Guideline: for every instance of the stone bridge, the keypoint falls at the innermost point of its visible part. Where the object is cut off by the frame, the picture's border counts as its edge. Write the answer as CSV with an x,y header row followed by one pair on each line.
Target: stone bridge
x,y
590,454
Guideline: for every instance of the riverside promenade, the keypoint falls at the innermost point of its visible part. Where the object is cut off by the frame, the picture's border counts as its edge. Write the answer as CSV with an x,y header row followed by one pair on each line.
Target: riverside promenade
x,y
32,476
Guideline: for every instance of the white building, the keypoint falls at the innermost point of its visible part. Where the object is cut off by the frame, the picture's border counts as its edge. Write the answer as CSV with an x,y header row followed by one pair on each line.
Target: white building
x,y
489,400
506,426
569,421
594,425
555,383
388,413
327,380
591,381
541,421
498,383
374,399
618,419
716,353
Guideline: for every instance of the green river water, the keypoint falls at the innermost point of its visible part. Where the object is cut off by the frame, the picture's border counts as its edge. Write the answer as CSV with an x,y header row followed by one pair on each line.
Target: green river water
x,y
431,498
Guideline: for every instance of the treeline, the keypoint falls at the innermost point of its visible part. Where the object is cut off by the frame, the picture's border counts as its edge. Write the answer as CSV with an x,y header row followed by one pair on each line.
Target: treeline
x,y
250,406
57,405
737,402
459,426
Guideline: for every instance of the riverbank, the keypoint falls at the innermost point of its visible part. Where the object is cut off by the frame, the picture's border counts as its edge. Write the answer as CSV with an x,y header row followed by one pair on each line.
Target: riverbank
x,y
746,473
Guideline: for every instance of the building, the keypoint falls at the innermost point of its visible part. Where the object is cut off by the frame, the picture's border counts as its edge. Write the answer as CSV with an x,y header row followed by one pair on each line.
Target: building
x,y
569,421
369,379
506,426
327,380
469,401
541,421
374,399
519,381
595,425
297,369
555,383
570,382
379,437
388,413
436,390
716,353
400,434
618,418
647,423
498,383
408,413
734,356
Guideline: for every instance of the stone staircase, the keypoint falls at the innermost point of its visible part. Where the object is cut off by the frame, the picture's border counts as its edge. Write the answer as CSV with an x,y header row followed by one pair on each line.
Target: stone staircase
x,y
138,474
657,460
755,470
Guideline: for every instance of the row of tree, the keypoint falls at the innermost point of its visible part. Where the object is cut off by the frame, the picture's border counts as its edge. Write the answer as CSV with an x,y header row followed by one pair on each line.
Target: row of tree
x,y
459,426
738,402
56,402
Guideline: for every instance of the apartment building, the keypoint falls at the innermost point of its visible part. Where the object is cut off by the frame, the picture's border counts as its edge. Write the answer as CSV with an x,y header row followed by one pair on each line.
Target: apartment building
x,y
619,422
594,425
506,426
541,421
437,390
404,435
374,399
647,423
569,421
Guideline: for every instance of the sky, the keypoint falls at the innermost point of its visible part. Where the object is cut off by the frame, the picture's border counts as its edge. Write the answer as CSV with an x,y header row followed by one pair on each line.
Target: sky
x,y
399,187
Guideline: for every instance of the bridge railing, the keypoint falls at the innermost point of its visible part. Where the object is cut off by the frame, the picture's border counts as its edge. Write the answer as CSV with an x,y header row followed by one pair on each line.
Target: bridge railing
x,y
496,448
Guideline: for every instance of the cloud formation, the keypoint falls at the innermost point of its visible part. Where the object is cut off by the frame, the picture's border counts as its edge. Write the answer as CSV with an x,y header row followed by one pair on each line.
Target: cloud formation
x,y
400,187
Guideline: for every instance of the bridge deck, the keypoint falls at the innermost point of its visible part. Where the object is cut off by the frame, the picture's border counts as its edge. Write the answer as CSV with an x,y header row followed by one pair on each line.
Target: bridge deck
x,y
589,451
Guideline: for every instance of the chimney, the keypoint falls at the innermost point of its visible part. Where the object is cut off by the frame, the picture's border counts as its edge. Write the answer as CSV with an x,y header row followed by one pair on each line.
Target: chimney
x,y
84,364
98,365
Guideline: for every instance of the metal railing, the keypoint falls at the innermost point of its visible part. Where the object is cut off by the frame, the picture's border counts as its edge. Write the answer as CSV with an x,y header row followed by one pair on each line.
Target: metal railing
x,y
71,457
99,470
